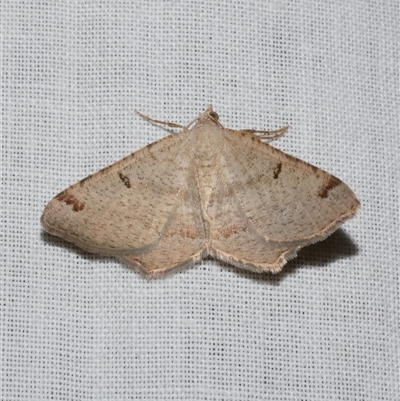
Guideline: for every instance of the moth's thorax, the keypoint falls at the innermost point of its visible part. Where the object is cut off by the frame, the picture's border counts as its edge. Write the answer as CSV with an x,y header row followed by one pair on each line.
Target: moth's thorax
x,y
207,154
207,143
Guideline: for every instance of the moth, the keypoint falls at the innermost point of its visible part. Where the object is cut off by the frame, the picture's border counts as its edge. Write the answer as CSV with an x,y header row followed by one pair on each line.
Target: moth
x,y
206,190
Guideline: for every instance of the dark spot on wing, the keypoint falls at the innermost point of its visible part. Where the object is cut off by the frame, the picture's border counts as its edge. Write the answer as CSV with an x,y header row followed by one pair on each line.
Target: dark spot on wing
x,y
277,170
125,180
77,206
329,184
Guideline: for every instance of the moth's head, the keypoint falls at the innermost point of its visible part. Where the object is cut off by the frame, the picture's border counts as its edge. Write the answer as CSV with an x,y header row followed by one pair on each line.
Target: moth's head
x,y
208,116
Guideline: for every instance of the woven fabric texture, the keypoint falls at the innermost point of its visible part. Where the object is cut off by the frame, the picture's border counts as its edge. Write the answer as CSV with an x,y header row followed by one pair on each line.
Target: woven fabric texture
x,y
77,326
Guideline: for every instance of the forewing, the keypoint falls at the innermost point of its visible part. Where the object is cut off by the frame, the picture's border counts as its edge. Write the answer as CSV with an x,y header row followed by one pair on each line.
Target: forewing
x,y
126,206
278,204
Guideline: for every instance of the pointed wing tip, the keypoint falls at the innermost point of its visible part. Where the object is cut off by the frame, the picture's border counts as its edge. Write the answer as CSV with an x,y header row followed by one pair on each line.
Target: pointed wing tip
x,y
44,219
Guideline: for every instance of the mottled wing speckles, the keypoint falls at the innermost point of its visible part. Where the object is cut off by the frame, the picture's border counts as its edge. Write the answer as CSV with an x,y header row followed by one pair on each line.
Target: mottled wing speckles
x,y
203,191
